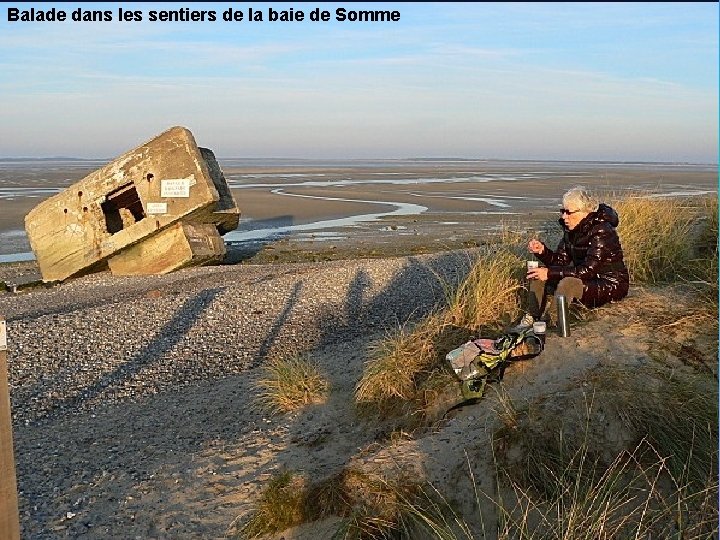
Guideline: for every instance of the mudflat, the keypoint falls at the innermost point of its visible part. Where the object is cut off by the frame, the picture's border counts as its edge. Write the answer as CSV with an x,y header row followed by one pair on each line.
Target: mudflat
x,y
410,205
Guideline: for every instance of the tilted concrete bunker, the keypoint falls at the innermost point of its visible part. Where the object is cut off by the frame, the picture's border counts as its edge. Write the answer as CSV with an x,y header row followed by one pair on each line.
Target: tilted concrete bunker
x,y
159,207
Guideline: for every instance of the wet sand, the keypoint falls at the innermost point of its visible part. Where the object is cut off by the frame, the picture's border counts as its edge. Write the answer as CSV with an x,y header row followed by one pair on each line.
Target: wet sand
x,y
455,202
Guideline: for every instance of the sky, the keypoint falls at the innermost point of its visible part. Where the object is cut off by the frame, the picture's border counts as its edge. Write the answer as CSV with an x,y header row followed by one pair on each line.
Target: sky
x,y
576,81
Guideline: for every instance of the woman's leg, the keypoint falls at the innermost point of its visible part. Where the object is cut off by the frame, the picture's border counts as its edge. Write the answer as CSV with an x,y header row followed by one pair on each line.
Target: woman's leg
x,y
536,297
571,288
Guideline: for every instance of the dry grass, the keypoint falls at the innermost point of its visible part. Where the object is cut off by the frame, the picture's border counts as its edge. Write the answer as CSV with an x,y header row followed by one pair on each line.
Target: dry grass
x,y
663,239
561,471
376,506
705,266
488,296
628,499
371,505
407,370
288,384
684,317
564,482
631,497
677,413
667,238
505,409
282,505
396,362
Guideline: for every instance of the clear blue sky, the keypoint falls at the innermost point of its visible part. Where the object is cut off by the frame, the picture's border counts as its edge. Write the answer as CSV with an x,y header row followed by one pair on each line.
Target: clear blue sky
x,y
607,81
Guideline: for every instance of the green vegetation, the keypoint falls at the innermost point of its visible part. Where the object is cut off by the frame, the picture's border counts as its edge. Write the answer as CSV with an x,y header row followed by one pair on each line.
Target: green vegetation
x,y
281,505
372,505
288,384
660,482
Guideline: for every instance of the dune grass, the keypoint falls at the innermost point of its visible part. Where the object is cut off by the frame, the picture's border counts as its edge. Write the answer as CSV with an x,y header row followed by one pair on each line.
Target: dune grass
x,y
371,505
705,265
288,384
661,482
282,505
664,239
488,296
626,499
668,239
677,413
632,496
407,370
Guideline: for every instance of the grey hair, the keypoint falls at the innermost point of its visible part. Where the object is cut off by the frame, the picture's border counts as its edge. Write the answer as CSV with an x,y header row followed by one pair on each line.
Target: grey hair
x,y
581,199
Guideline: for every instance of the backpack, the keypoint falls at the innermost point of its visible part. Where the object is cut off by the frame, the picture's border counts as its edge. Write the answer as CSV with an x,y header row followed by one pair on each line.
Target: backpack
x,y
483,359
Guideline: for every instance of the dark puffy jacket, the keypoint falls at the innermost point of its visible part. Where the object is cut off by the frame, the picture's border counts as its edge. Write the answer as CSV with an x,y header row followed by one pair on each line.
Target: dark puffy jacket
x,y
591,252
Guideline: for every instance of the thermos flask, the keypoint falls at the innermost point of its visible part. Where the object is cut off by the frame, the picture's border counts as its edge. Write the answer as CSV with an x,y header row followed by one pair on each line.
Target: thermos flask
x,y
563,328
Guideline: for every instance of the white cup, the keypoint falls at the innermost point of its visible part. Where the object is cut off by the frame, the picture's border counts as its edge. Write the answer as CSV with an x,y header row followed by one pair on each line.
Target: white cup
x,y
532,265
539,327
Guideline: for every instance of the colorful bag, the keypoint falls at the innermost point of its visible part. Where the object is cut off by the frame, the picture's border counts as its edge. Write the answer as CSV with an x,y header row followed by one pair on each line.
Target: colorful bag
x,y
481,359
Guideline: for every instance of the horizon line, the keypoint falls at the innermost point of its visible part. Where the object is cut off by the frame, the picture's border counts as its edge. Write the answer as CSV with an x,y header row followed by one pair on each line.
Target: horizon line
x,y
429,158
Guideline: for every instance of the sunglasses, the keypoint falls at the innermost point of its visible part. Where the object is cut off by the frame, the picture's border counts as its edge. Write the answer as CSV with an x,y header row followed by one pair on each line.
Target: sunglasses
x,y
565,211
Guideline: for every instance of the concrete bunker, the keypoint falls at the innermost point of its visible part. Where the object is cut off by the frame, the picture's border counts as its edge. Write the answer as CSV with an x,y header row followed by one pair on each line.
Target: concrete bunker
x,y
161,206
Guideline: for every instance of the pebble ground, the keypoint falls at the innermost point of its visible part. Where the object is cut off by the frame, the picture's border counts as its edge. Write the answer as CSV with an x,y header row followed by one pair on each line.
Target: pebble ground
x,y
104,347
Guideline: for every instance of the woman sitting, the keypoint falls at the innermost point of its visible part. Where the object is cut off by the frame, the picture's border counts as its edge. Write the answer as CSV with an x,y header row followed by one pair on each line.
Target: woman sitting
x,y
587,265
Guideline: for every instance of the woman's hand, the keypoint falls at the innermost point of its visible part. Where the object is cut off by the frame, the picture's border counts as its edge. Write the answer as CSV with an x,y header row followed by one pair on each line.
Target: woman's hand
x,y
536,247
538,273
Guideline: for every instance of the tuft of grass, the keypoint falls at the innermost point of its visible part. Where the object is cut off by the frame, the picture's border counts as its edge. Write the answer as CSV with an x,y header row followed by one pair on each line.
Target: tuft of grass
x,y
663,237
282,505
377,506
288,384
505,408
406,372
395,361
372,505
677,413
407,369
488,296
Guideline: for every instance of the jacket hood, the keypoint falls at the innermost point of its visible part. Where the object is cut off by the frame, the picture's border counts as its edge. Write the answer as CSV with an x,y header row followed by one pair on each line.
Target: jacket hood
x,y
606,213
603,213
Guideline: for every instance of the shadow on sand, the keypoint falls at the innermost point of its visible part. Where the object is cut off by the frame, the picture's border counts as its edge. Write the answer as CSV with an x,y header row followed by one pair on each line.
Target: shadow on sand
x,y
209,425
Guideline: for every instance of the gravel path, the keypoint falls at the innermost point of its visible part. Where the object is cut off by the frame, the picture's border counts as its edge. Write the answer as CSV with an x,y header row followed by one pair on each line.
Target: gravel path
x,y
117,382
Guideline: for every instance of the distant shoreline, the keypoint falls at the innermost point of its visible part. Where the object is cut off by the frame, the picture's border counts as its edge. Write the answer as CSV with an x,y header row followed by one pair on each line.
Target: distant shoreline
x,y
310,209
449,160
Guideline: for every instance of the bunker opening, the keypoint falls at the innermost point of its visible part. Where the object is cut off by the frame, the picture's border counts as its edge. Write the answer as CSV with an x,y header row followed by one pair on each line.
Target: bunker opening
x,y
122,207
